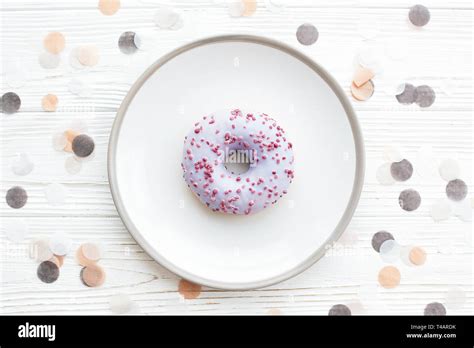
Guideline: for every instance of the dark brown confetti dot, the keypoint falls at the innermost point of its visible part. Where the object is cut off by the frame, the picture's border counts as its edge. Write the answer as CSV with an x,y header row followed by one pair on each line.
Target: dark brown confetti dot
x,y
11,103
456,190
401,171
48,272
408,96
16,197
435,308
425,96
126,42
307,34
83,145
419,15
339,309
409,200
379,238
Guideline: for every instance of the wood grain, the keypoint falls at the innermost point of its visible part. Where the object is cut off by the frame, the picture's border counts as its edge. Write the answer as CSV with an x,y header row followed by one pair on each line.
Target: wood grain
x,y
439,55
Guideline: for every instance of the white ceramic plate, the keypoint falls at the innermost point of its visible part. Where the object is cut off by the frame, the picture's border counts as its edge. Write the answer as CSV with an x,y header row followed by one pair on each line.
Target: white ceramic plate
x,y
257,75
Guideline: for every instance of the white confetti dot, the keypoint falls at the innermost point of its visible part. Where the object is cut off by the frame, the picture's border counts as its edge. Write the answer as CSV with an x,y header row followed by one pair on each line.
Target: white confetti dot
x,y
120,304
463,210
16,75
79,88
60,244
166,17
390,251
392,153
383,174
426,164
39,250
74,60
449,169
16,230
441,210
371,58
22,165
72,165
59,141
276,5
56,194
236,8
48,60
405,254
455,298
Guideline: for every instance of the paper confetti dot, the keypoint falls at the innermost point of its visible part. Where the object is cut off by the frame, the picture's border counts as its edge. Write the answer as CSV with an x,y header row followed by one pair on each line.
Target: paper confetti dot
x,y
88,55
274,311
48,272
456,190
362,75
92,276
16,197
455,298
55,194
435,308
401,171
250,7
166,17
91,251
60,244
392,153
379,238
57,260
189,290
79,88
417,256
74,60
83,145
59,141
339,309
409,200
236,8
22,165
425,96
276,6
72,165
441,210
109,7
49,102
364,92
389,251
126,42
383,175
54,42
463,210
11,102
389,277
307,34
408,96
449,169
39,250
120,303
426,163
48,60
16,230
419,15
16,75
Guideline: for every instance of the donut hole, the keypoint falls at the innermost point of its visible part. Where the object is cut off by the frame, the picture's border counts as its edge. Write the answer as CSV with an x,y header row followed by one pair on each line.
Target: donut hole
x,y
237,161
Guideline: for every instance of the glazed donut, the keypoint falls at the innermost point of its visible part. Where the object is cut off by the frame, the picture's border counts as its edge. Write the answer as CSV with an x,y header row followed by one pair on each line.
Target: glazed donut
x,y
232,135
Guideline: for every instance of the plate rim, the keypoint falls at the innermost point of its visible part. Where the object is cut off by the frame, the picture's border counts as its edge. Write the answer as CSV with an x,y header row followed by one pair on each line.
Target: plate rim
x,y
356,187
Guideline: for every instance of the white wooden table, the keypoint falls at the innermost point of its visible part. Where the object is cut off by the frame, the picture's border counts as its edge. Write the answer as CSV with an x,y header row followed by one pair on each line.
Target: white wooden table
x,y
439,55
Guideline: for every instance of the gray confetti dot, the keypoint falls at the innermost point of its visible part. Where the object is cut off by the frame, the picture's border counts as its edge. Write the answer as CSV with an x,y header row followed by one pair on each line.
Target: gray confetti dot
x,y
83,145
126,42
379,238
419,15
409,200
339,309
307,34
408,96
435,308
456,190
48,272
16,197
401,171
11,103
425,96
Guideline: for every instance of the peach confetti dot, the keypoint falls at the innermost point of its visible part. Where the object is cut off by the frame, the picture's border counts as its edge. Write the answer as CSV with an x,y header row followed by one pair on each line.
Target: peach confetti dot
x,y
109,7
389,277
189,290
70,135
274,311
417,256
362,75
49,102
250,7
54,42
88,55
92,276
364,92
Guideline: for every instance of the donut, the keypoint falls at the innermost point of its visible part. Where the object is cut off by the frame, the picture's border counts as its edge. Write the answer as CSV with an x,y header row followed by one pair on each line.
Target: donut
x,y
231,136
